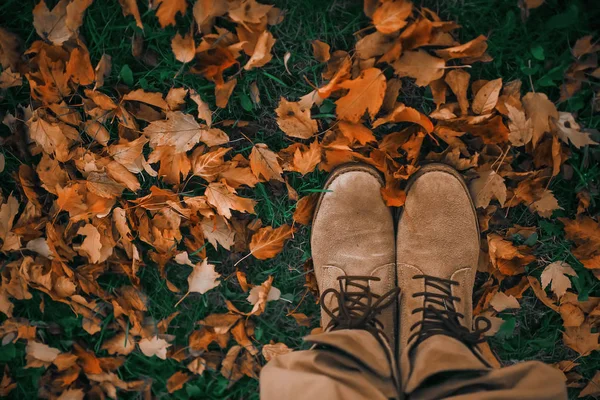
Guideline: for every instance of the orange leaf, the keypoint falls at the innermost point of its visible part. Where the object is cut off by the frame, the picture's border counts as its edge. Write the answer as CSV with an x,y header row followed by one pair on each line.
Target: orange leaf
x,y
167,9
268,242
391,16
421,66
262,52
306,161
223,198
474,48
294,121
223,92
263,162
356,132
177,380
183,47
406,114
365,94
321,51
305,208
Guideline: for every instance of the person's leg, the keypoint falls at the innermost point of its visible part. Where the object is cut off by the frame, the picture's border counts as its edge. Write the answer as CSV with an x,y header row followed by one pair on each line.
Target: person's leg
x,y
353,250
437,252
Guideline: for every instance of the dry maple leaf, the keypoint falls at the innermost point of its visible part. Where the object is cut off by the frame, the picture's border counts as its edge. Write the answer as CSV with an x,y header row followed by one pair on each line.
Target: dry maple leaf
x,y
365,94
263,162
154,346
556,273
184,47
268,242
209,165
502,302
305,161
10,79
506,257
581,339
569,131
203,278
489,185
168,9
295,121
177,380
62,23
224,199
205,12
204,112
539,110
356,132
390,16
487,97
217,230
585,233
520,127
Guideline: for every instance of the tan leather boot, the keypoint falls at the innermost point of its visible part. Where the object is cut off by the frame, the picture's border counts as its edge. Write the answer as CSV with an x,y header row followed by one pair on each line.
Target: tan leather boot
x,y
437,249
353,250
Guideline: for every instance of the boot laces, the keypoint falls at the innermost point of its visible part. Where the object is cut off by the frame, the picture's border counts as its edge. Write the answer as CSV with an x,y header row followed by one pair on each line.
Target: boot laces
x,y
439,316
357,306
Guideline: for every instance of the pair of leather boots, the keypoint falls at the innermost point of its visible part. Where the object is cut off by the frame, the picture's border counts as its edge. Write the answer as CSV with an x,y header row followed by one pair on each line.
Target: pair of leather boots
x,y
404,281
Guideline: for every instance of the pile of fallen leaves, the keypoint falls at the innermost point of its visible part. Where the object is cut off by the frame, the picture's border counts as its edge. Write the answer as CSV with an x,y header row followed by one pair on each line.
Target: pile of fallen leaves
x,y
81,210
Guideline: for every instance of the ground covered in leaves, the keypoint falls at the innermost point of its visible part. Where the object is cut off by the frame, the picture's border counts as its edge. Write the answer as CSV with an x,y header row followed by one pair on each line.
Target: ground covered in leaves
x,y
160,162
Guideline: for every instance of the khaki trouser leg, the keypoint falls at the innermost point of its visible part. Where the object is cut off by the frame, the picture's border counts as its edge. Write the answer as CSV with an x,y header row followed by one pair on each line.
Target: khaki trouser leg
x,y
354,365
444,368
344,364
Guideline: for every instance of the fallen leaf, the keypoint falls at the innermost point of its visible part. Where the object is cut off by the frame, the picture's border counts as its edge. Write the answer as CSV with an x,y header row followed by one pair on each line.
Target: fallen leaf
x,y
390,16
520,127
223,92
556,273
305,161
581,339
502,302
183,47
294,121
268,242
568,130
539,110
121,343
262,52
572,315
473,49
321,51
592,388
421,66
541,294
263,163
168,9
487,97
204,112
154,346
365,94
458,80
216,230
224,199
305,209
487,186
177,380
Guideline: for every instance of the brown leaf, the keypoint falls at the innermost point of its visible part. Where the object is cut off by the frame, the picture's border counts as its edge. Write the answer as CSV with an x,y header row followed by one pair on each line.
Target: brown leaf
x,y
390,16
421,66
294,121
581,339
541,294
223,197
263,162
502,302
168,9
262,52
305,209
572,315
177,380
130,7
223,92
472,49
539,110
569,131
183,47
486,98
585,233
592,388
365,94
203,278
122,344
321,51
506,257
154,346
458,80
356,132
406,114
306,161
268,242
488,185
555,273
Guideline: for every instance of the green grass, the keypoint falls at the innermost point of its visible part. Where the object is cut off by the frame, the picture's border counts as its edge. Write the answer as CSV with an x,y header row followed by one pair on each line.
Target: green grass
x,y
535,51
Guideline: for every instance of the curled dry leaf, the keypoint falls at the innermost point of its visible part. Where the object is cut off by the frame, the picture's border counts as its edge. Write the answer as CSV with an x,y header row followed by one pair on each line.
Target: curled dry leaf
x,y
294,121
305,209
487,97
321,50
154,346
